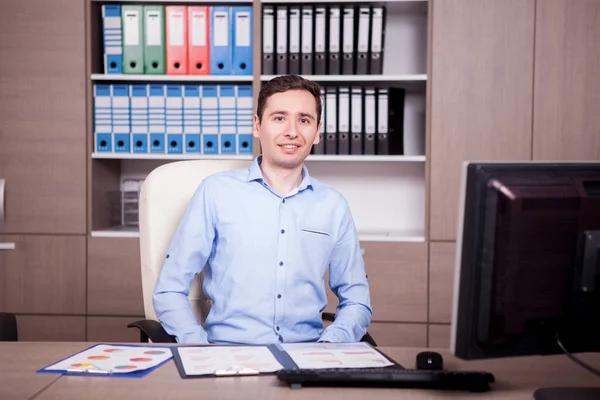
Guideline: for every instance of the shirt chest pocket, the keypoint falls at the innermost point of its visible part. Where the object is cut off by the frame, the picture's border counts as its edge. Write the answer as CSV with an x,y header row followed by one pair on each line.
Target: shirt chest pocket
x,y
316,245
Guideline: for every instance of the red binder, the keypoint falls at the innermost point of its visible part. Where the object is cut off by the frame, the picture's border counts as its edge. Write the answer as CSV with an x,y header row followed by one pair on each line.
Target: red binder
x,y
177,40
198,40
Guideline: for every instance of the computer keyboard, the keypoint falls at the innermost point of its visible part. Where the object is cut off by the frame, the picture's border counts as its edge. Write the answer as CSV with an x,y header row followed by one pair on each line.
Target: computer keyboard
x,y
392,377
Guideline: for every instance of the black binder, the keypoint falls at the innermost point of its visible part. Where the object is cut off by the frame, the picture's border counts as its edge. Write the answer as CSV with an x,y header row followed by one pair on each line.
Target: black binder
x,y
306,42
281,40
268,27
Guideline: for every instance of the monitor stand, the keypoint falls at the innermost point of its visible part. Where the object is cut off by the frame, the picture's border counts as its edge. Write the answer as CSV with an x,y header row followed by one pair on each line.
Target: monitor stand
x,y
567,393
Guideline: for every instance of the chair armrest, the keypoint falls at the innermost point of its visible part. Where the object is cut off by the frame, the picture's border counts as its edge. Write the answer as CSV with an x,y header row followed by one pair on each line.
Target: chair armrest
x,y
153,330
8,327
327,316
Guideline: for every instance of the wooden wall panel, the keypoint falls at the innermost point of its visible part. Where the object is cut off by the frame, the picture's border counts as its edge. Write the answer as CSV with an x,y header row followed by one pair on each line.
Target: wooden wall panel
x,y
441,281
112,329
567,80
51,328
114,277
481,89
439,336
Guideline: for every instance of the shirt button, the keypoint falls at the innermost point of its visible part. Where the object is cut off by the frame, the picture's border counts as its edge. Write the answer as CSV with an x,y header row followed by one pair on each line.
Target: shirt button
x,y
280,338
284,200
283,231
278,296
277,328
280,263
168,256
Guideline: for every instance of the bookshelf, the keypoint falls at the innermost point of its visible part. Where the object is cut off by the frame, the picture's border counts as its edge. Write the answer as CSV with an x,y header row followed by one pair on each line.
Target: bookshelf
x,y
386,193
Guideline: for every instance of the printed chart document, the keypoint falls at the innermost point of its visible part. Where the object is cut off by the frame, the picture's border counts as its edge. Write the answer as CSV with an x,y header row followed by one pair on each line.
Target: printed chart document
x,y
335,355
112,359
226,360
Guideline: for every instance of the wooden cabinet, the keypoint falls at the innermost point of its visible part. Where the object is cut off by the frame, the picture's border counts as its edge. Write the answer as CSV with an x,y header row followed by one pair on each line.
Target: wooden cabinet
x,y
114,279
397,275
481,94
43,275
42,114
567,80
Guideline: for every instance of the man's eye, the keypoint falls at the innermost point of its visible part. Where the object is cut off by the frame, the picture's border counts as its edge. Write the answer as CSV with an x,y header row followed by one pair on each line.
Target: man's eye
x,y
304,120
278,118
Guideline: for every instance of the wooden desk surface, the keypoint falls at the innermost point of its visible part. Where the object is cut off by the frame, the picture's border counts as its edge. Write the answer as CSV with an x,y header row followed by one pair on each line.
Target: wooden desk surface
x,y
516,378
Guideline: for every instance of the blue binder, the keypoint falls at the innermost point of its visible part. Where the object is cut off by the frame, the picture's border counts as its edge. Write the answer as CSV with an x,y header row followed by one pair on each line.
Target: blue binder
x,y
157,118
102,118
121,114
191,119
139,118
112,33
227,119
174,108
242,39
220,41
244,118
210,120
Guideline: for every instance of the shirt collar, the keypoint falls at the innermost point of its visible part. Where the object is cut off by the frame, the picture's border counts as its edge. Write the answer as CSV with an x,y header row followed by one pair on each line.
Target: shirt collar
x,y
255,174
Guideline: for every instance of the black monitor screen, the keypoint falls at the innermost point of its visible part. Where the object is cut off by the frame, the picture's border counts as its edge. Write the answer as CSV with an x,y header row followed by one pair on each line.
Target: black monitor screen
x,y
528,265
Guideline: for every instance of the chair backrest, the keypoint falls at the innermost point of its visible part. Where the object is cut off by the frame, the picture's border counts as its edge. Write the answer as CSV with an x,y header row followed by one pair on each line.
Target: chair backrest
x,y
163,200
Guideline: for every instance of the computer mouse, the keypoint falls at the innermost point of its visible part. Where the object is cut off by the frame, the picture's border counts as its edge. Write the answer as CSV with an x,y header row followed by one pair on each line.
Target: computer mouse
x,y
430,360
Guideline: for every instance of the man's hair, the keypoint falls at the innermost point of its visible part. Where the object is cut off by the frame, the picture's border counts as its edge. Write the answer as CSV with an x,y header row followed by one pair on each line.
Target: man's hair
x,y
284,83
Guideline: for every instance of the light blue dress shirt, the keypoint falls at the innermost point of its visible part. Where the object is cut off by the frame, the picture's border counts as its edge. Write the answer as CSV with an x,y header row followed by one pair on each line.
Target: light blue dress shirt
x,y
264,258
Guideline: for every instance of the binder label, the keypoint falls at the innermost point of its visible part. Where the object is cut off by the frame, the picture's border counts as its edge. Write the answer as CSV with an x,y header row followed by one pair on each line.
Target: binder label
x,y
153,28
307,17
198,29
363,30
334,29
348,30
132,22
242,29
268,31
221,29
176,28
320,30
376,31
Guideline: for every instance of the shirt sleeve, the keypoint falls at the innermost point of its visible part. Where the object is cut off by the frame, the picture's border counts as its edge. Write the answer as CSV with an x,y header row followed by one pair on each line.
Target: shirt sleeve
x,y
186,256
348,281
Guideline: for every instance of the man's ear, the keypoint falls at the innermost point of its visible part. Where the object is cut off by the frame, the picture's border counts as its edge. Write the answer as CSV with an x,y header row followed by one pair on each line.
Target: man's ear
x,y
256,126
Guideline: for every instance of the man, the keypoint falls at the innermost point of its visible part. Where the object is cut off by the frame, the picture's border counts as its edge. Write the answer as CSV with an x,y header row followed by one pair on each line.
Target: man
x,y
265,236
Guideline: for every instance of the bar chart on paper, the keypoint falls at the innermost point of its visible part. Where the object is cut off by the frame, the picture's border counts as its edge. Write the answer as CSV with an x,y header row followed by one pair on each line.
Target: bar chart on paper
x,y
335,355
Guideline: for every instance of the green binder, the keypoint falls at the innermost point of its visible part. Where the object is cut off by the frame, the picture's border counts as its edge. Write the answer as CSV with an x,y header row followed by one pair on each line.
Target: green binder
x,y
133,40
154,39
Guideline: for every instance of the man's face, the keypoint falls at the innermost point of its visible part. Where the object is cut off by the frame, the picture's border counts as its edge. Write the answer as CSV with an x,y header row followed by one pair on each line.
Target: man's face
x,y
288,129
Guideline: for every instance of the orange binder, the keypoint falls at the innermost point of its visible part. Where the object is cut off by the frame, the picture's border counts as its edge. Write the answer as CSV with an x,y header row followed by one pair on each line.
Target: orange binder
x,y
198,37
177,40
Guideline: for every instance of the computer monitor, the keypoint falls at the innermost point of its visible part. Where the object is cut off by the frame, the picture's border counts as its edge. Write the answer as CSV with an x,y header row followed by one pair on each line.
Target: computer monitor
x,y
527,260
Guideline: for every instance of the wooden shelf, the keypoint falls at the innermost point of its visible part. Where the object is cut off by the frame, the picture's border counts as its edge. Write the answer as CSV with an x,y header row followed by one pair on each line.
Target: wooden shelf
x,y
184,1
341,1
172,78
357,158
117,233
156,156
359,78
407,237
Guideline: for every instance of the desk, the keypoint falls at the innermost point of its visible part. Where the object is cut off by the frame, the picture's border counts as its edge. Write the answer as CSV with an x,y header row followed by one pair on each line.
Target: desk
x,y
517,378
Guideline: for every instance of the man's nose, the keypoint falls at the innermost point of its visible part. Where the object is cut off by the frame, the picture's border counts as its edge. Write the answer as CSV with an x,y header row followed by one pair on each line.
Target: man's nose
x,y
292,130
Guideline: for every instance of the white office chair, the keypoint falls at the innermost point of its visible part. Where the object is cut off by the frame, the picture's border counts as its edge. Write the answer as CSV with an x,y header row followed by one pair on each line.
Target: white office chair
x,y
164,197
163,200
